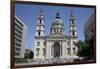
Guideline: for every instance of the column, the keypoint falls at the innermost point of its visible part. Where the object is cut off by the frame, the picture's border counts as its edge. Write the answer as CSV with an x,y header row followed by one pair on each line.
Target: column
x,y
52,50
61,49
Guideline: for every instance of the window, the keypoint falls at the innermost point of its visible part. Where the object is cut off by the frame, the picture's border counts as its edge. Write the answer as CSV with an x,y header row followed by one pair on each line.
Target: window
x,y
73,33
16,25
44,51
17,45
18,31
18,36
17,49
18,40
57,21
68,51
39,27
57,24
38,43
17,54
74,42
44,43
40,21
72,21
19,22
72,28
37,49
39,33
74,50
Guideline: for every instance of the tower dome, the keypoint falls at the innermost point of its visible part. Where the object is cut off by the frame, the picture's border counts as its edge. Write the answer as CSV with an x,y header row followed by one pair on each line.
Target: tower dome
x,y
57,26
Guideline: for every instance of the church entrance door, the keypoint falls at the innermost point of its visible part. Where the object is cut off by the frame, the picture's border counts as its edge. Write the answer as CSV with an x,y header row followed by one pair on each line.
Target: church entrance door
x,y
56,49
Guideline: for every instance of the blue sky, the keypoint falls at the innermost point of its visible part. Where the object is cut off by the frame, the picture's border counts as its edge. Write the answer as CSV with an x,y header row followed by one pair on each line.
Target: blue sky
x,y
28,13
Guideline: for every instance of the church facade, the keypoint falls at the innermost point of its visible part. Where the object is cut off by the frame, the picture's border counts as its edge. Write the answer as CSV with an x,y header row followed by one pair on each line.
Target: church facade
x,y
57,44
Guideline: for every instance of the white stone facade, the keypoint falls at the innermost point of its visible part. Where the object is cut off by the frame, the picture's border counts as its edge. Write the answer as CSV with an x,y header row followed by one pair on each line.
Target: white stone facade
x,y
56,44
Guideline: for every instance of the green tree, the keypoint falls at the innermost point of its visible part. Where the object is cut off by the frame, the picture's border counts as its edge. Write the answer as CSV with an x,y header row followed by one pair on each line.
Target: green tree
x,y
31,54
91,48
82,49
86,49
26,55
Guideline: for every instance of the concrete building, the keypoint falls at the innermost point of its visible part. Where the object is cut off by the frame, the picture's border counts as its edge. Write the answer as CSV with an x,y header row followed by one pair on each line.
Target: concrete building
x,y
20,38
57,44
89,28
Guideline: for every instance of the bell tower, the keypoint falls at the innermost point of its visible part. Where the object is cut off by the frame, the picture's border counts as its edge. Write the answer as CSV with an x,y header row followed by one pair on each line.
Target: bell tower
x,y
72,31
40,25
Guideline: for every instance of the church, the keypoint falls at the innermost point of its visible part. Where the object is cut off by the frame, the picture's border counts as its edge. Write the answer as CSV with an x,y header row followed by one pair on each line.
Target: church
x,y
57,44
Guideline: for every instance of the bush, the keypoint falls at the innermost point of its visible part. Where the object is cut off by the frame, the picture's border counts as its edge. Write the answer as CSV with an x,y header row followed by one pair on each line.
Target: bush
x,y
21,60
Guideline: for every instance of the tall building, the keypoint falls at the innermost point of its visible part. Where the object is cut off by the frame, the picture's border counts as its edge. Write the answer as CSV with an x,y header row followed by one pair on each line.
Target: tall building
x,y
56,44
20,31
89,28
90,35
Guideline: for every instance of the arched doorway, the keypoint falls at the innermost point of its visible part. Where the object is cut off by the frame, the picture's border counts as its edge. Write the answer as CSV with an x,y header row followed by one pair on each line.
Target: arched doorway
x,y
56,49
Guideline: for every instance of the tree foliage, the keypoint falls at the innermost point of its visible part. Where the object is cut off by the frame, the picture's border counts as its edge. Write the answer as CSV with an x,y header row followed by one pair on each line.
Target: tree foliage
x,y
85,49
29,55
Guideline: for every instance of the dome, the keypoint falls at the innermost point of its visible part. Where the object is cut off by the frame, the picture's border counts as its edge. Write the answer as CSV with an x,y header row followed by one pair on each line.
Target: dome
x,y
58,21
58,25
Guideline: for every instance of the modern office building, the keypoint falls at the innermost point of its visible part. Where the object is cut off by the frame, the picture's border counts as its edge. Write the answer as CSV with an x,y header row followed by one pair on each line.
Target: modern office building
x,y
20,31
57,44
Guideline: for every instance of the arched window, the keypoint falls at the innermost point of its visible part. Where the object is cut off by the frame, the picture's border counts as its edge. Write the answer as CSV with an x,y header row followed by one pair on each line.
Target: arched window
x,y
38,43
40,21
37,49
73,33
39,33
